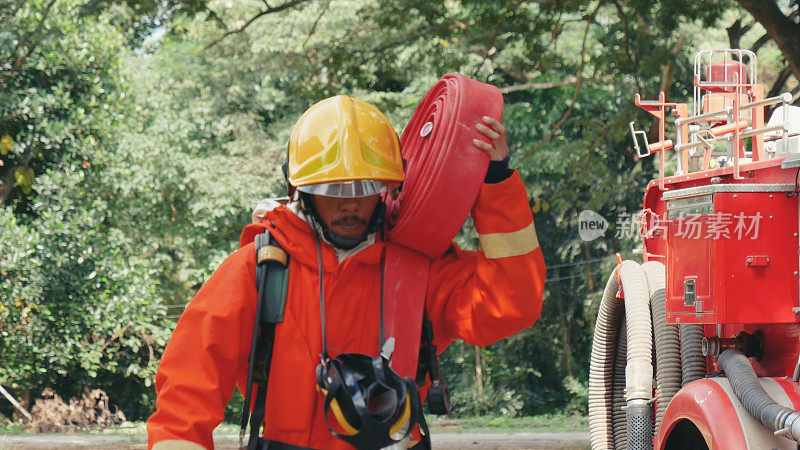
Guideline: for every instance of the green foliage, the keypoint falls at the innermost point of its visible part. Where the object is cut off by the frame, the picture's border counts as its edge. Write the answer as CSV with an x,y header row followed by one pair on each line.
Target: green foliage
x,y
191,159
77,310
58,87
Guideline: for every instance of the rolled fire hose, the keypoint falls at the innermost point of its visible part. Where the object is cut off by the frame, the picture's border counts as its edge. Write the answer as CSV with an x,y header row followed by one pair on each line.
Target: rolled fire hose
x,y
754,398
667,340
444,170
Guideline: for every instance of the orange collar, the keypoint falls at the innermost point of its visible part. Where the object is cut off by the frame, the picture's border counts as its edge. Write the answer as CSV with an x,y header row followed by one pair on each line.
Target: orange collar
x,y
299,240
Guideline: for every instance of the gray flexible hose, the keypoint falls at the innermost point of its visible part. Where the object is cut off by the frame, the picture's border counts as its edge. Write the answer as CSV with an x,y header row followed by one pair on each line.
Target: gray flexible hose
x,y
693,363
619,423
601,366
668,350
753,396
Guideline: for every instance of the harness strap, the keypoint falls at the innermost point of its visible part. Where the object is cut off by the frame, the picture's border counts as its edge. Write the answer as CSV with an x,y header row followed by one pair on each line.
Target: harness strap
x,y
261,282
258,416
271,282
324,356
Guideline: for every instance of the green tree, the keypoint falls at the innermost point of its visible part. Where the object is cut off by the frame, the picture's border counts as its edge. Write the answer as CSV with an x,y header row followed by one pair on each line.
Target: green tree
x,y
782,27
76,311
56,76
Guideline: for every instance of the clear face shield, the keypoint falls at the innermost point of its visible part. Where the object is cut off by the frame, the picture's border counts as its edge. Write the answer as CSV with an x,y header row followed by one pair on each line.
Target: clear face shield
x,y
344,189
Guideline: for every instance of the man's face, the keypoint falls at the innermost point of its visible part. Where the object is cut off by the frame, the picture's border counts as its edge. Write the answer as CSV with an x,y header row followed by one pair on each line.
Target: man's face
x,y
347,217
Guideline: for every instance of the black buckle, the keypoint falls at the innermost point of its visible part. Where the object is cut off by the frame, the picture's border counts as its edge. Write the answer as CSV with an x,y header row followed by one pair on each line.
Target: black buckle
x,y
439,398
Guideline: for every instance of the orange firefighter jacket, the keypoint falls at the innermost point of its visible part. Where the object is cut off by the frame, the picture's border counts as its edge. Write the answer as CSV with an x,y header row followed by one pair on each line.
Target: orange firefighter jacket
x,y
478,296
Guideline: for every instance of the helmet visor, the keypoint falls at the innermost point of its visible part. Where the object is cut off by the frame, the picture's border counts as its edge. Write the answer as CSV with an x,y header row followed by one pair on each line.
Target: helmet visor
x,y
344,189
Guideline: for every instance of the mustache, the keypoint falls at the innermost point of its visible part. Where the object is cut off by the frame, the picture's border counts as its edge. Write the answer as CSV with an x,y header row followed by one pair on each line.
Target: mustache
x,y
348,220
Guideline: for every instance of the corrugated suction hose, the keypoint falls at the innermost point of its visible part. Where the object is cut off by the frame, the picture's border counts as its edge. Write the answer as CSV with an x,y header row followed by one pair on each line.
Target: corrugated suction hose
x,y
639,368
618,419
444,170
753,396
601,366
693,363
621,368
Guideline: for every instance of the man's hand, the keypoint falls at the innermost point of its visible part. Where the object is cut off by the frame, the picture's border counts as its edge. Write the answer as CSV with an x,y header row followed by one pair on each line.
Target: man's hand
x,y
496,133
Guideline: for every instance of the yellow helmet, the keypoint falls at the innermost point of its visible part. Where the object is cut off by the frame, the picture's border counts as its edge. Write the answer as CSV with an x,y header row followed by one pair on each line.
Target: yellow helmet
x,y
343,147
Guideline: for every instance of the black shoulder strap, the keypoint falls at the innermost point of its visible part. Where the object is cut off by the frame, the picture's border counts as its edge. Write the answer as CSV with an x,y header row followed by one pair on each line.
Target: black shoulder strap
x,y
272,282
439,393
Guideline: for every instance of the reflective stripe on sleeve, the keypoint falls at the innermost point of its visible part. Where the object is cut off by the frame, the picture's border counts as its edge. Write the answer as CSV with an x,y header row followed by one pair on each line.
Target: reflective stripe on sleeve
x,y
503,245
177,445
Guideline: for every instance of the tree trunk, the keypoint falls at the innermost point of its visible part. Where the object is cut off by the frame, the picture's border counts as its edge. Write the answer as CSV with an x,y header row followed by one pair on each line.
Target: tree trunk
x,y
736,31
784,31
23,405
8,184
568,348
562,341
479,371
776,89
589,276
667,78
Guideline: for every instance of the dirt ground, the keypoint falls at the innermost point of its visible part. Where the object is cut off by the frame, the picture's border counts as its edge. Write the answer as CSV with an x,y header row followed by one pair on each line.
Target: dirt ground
x,y
443,441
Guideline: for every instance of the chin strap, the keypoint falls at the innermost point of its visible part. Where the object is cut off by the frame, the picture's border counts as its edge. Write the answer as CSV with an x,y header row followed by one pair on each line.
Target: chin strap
x,y
342,242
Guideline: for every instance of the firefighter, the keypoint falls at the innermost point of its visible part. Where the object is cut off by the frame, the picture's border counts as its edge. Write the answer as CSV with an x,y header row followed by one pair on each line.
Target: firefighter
x,y
341,153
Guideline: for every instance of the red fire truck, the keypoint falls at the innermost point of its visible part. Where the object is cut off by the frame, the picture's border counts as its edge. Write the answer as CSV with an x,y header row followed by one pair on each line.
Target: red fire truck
x,y
699,346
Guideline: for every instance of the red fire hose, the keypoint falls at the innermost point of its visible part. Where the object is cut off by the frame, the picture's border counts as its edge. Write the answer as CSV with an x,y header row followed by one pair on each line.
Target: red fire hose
x,y
444,169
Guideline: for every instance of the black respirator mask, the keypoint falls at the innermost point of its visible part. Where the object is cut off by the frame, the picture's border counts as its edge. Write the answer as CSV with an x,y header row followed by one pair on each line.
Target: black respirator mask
x,y
370,403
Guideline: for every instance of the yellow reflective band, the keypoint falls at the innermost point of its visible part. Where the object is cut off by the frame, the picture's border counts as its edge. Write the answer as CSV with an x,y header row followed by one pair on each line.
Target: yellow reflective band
x,y
403,418
177,445
337,412
503,245
375,159
316,165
